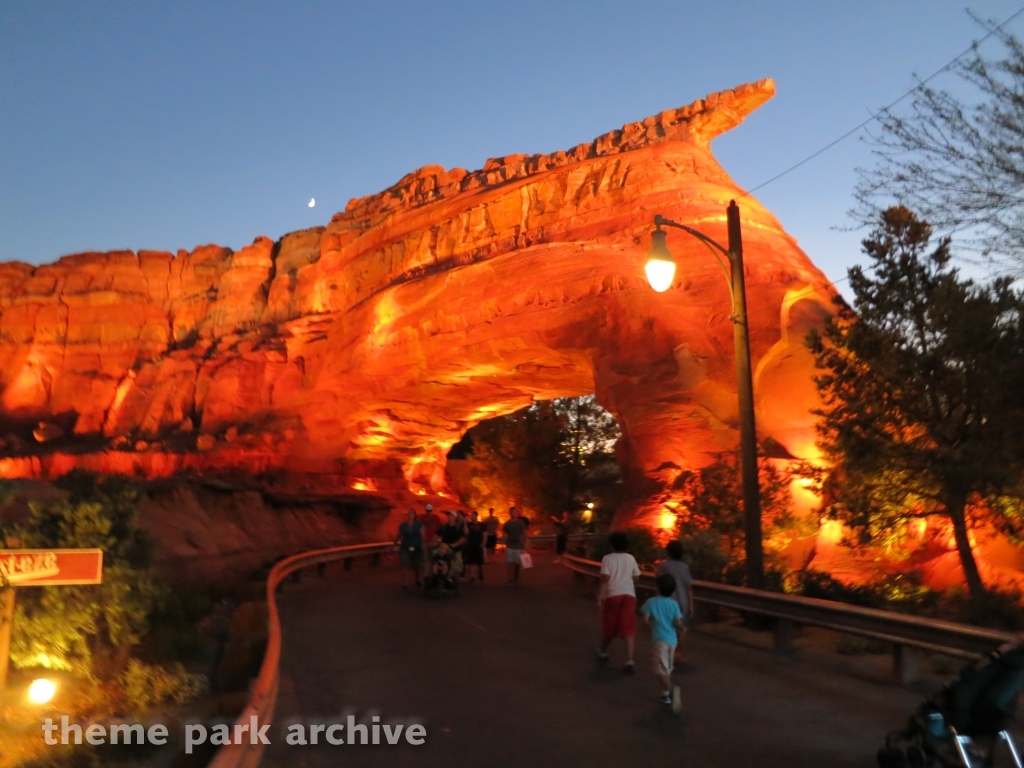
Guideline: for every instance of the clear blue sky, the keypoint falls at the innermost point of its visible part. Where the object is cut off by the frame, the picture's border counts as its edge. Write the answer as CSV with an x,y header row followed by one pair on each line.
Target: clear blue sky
x,y
170,124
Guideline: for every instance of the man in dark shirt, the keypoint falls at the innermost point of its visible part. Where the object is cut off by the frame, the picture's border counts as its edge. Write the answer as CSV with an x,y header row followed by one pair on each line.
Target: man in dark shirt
x,y
515,544
452,536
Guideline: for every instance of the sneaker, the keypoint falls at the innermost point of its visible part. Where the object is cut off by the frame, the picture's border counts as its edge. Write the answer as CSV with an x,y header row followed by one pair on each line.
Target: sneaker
x,y
630,668
601,655
666,698
676,700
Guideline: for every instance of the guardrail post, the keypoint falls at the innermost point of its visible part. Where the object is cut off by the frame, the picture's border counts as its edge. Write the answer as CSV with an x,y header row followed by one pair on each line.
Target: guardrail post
x,y
906,663
321,568
375,560
348,563
785,632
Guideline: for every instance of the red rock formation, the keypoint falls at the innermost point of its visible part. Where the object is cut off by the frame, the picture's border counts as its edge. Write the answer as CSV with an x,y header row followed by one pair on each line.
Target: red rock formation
x,y
352,356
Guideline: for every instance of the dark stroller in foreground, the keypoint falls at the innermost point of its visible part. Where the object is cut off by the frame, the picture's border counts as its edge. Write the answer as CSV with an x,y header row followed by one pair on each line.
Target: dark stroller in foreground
x,y
962,725
441,578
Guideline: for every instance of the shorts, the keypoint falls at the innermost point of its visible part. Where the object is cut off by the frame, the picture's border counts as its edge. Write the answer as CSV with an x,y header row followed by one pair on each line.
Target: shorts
x,y
492,541
512,556
618,616
663,657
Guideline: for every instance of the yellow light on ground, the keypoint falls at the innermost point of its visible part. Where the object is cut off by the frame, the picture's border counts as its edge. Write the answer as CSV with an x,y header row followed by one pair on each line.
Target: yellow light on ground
x,y
41,690
660,274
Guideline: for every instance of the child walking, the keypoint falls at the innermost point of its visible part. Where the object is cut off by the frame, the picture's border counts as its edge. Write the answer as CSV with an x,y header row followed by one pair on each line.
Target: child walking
x,y
663,616
617,598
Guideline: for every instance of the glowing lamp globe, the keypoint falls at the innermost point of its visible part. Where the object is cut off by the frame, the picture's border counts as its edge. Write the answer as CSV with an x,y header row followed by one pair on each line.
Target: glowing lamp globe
x,y
661,267
41,691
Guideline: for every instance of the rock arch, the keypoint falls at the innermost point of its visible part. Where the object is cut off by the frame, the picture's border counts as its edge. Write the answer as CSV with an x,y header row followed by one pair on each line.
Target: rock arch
x,y
349,358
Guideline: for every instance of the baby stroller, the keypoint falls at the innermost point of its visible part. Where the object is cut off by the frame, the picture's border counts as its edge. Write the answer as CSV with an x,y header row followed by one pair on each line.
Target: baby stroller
x,y
961,725
441,578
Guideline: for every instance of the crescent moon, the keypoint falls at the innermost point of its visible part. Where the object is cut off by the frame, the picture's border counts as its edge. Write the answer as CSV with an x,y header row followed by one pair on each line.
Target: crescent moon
x,y
312,202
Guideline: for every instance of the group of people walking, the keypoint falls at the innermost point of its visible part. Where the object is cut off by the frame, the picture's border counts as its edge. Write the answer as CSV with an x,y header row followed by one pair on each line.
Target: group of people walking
x,y
466,541
667,613
461,542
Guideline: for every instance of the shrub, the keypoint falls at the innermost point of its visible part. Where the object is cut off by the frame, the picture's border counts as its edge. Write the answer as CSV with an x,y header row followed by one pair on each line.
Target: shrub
x,y
147,686
702,551
821,585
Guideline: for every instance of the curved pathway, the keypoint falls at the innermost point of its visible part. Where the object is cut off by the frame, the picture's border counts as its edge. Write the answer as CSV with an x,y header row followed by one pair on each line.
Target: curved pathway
x,y
504,677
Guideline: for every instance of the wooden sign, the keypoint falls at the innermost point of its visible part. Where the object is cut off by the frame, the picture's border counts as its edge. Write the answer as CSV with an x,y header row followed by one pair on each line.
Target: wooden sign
x,y
51,567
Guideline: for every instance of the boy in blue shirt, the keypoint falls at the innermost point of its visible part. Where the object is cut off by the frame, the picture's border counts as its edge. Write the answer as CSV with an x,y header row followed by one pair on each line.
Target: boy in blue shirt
x,y
665,620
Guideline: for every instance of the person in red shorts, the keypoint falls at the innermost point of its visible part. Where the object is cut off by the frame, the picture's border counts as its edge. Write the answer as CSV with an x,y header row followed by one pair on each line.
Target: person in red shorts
x,y
431,523
617,598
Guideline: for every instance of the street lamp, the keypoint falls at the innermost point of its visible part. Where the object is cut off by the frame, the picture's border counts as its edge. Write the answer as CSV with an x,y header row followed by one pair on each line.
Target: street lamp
x,y
661,268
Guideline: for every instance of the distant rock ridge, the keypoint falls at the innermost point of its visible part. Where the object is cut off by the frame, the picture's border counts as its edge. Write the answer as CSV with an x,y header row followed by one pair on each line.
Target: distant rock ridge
x,y
698,122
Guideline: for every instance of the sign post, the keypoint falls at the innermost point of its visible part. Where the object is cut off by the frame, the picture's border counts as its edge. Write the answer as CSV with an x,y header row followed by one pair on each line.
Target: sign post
x,y
40,568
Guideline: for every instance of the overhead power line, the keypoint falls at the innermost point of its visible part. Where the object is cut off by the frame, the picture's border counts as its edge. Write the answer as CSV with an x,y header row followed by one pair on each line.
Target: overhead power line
x,y
886,108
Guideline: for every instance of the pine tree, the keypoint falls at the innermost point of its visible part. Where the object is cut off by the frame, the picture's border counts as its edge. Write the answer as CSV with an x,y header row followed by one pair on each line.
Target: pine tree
x,y
920,383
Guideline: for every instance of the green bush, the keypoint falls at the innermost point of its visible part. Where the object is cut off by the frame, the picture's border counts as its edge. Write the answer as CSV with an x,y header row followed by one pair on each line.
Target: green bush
x,y
147,686
71,628
702,551
822,586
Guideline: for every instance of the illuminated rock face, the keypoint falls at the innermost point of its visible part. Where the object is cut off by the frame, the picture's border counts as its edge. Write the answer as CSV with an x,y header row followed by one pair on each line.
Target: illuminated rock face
x,y
351,357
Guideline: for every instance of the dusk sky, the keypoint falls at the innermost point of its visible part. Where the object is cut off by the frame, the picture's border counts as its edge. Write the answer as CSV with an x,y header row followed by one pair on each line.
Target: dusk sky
x,y
167,125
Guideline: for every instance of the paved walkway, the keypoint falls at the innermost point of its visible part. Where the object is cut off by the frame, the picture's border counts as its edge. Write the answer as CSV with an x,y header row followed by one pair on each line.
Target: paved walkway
x,y
505,678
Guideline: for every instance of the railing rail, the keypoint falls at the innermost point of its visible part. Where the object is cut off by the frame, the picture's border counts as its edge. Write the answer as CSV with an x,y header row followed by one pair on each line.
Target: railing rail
x,y
900,629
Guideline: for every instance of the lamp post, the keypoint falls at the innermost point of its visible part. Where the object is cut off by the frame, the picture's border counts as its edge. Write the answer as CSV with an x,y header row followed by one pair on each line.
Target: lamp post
x,y
661,268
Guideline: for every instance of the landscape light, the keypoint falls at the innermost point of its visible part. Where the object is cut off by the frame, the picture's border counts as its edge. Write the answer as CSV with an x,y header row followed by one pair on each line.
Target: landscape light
x,y
41,690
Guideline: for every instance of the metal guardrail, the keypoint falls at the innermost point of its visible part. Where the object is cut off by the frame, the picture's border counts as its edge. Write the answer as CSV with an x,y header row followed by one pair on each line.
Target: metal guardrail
x,y
900,629
263,697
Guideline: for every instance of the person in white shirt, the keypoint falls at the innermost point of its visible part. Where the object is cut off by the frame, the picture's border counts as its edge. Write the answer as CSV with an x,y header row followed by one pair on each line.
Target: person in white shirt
x,y
617,598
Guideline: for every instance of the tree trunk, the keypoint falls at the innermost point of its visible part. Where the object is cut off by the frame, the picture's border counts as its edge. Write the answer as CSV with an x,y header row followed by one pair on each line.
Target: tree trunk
x,y
955,510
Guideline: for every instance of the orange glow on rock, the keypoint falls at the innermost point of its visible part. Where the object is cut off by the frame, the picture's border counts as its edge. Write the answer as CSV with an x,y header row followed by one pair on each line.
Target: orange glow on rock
x,y
667,520
353,355
831,532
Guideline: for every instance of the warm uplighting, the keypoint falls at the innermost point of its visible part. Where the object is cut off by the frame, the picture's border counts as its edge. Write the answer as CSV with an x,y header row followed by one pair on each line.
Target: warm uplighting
x,y
590,505
667,520
661,267
831,532
41,691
